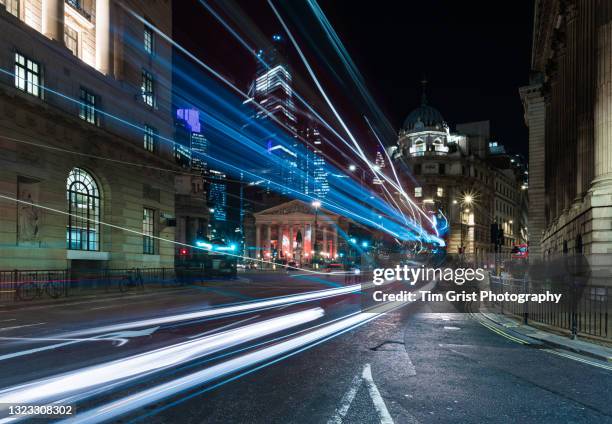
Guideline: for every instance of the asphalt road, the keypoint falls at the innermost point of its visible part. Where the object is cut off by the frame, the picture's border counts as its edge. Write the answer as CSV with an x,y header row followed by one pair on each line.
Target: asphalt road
x,y
422,363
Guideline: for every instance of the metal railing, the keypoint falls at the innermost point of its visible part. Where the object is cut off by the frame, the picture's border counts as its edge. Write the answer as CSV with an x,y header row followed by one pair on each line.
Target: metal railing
x,y
67,283
585,310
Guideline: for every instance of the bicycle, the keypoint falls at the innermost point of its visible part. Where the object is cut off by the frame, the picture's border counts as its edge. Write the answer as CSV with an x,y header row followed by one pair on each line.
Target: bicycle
x,y
132,280
31,289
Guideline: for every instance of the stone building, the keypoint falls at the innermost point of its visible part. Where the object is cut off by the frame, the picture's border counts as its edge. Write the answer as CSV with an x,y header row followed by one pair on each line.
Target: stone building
x,y
288,231
86,178
450,176
567,110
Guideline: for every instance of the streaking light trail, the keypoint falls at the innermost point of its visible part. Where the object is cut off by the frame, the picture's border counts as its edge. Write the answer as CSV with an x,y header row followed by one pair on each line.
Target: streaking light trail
x,y
80,381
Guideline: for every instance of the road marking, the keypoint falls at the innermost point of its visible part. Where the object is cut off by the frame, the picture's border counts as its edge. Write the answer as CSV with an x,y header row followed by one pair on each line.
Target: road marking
x,y
379,403
345,402
411,368
349,396
446,327
21,326
121,337
579,359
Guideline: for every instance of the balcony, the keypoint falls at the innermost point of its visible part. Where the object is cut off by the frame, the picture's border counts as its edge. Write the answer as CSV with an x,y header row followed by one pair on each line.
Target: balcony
x,y
77,6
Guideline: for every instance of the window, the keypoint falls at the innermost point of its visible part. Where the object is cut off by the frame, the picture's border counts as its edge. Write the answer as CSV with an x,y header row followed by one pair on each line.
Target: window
x,y
150,138
27,75
148,231
417,169
148,40
83,232
87,108
440,192
442,169
418,191
12,6
148,95
71,40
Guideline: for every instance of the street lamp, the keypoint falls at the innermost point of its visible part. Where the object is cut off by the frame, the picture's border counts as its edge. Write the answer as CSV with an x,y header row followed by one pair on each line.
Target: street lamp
x,y
352,167
466,200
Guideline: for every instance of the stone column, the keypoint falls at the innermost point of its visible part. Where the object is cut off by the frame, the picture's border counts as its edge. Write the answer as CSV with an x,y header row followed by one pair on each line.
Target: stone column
x,y
291,239
257,240
53,19
535,118
601,188
335,241
313,238
269,241
103,37
324,248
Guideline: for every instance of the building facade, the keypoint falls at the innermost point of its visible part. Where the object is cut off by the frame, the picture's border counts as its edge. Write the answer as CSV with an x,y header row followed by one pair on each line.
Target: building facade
x,y
291,231
451,176
567,110
86,178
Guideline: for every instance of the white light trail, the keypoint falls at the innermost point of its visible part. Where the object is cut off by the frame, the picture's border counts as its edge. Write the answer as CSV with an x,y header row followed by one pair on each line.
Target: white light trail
x,y
80,381
146,397
360,152
224,310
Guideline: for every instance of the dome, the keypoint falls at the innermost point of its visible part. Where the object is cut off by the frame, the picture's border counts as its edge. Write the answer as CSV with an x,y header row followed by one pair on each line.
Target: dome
x,y
422,117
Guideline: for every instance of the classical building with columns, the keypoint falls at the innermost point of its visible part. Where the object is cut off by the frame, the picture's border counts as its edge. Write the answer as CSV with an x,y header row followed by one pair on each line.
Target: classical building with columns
x,y
288,232
568,109
86,176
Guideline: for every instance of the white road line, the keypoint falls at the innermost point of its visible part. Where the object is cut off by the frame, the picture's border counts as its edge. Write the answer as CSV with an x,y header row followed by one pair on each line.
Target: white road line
x,y
379,403
411,369
21,326
446,327
346,401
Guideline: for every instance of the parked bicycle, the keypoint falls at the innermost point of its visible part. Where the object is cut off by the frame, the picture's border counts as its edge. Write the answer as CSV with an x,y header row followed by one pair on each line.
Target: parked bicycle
x,y
133,280
29,290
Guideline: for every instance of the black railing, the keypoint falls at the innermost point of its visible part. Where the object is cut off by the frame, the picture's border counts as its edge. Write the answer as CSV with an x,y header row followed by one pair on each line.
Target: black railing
x,y
21,285
583,310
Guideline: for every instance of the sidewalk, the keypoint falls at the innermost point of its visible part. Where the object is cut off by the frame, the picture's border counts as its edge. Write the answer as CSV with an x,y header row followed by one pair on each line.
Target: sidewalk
x,y
553,340
83,293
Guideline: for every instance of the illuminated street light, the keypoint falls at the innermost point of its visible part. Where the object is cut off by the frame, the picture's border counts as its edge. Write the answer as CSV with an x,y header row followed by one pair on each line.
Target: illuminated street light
x,y
352,167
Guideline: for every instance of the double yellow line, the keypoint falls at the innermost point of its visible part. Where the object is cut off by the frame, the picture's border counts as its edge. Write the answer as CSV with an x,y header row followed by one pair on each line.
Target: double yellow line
x,y
496,330
523,342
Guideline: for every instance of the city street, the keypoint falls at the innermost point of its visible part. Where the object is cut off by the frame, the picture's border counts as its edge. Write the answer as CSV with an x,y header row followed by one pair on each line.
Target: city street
x,y
424,362
305,211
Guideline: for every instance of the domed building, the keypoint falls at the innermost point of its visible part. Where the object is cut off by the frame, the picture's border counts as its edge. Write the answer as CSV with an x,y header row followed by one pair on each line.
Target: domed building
x,y
449,175
424,131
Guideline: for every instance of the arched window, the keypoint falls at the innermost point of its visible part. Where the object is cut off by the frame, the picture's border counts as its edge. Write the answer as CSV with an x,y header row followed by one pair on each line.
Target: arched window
x,y
83,232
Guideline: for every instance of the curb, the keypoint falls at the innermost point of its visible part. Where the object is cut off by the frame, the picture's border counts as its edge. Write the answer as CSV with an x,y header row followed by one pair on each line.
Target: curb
x,y
551,343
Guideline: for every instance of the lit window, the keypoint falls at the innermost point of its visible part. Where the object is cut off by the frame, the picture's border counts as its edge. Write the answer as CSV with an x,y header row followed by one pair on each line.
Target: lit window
x,y
148,95
71,40
418,191
83,232
27,75
87,108
148,40
12,6
440,192
148,231
150,136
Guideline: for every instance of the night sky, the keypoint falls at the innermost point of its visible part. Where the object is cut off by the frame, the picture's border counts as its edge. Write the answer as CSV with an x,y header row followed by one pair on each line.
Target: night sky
x,y
474,54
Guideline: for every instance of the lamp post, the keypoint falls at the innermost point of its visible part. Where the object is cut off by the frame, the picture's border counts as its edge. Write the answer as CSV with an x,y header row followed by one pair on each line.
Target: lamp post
x,y
465,202
316,204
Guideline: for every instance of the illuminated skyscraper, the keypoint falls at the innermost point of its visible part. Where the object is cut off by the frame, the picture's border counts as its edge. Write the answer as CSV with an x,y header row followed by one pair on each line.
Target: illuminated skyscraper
x,y
272,87
379,164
